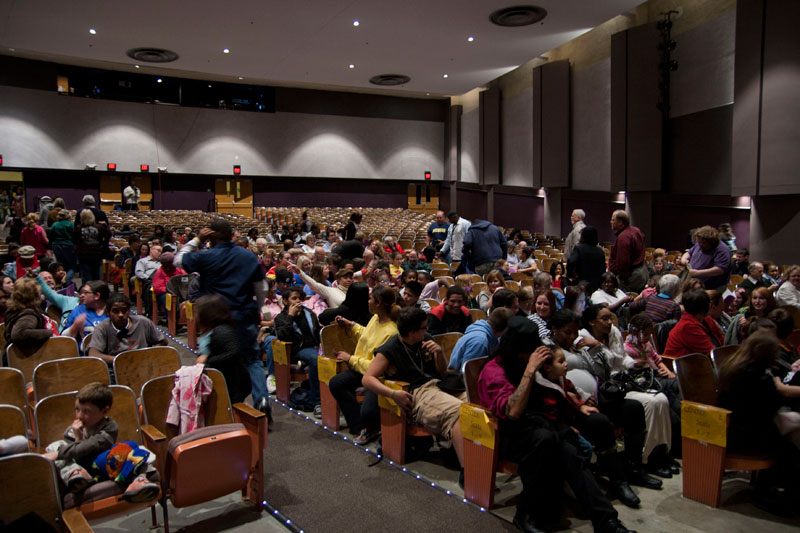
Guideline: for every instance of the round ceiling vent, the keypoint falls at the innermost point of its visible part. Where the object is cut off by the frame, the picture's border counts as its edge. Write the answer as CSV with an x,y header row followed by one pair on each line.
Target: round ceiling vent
x,y
389,79
152,55
518,16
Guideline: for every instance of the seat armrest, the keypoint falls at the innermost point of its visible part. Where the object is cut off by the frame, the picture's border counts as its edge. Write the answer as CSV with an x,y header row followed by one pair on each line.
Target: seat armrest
x,y
386,402
245,412
255,423
152,434
75,521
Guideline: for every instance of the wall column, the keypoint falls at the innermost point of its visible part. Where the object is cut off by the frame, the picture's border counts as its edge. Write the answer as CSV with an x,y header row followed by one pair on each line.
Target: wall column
x,y
639,206
552,212
773,229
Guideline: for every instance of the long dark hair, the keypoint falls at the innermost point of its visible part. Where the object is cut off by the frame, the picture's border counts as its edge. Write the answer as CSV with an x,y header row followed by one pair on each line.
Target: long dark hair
x,y
212,311
522,336
357,303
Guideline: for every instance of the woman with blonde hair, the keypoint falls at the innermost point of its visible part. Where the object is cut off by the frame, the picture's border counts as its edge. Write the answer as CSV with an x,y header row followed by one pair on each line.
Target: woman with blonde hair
x,y
34,235
91,242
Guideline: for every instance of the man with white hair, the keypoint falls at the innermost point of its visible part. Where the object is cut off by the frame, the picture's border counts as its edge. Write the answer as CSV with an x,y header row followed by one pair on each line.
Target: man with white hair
x,y
99,215
574,236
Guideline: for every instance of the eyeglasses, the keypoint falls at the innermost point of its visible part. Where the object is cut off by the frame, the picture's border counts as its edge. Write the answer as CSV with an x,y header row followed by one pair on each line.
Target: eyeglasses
x,y
87,292
386,281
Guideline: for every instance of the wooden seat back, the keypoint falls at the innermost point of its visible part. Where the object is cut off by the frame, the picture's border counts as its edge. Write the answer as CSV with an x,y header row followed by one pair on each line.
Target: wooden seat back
x,y
157,393
52,416
479,287
12,388
337,338
696,379
87,340
135,367
54,313
477,314
12,421
512,285
29,481
70,374
720,355
447,341
471,370
54,348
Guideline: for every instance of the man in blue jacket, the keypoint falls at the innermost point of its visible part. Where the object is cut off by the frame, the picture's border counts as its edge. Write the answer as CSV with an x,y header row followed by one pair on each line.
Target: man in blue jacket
x,y
484,244
480,339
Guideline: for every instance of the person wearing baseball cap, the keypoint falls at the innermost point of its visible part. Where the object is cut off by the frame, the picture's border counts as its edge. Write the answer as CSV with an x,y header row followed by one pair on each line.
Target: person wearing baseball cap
x,y
26,262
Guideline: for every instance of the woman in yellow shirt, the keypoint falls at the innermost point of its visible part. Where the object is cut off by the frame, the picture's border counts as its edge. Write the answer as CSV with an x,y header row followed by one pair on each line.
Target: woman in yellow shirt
x,y
364,420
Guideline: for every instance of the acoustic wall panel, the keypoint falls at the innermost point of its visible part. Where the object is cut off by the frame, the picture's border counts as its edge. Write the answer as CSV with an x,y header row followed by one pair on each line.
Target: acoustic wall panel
x,y
490,137
536,125
555,124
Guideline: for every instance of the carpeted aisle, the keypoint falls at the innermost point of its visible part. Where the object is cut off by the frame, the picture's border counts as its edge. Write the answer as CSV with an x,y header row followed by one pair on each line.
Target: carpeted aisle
x,y
324,483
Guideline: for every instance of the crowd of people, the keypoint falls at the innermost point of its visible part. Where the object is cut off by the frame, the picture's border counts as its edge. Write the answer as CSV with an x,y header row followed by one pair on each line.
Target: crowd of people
x,y
566,353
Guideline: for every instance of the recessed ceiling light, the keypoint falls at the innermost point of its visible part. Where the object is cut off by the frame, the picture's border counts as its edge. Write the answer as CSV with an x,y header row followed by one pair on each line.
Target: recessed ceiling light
x,y
444,75
241,78
356,22
158,80
470,38
136,66
209,85
11,49
352,65
93,31
226,51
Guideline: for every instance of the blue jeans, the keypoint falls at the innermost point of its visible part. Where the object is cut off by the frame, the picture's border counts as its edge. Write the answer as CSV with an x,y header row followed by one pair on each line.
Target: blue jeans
x,y
309,357
267,347
252,359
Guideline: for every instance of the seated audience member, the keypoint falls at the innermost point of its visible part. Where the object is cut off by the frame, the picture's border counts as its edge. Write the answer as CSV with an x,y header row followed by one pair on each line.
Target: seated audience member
x,y
543,308
787,352
298,325
658,266
610,294
789,291
503,266
526,300
147,267
25,262
575,297
709,259
543,282
452,315
758,424
162,276
430,290
689,284
390,247
352,248
90,311
218,346
26,325
310,245
587,261
662,306
741,261
411,293
494,281
92,434
123,331
526,264
505,298
413,357
331,241
558,274
717,312
512,257
695,332
284,259
354,308
414,263
772,274
480,339
64,303
760,303
754,278
333,296
364,420
536,415
396,268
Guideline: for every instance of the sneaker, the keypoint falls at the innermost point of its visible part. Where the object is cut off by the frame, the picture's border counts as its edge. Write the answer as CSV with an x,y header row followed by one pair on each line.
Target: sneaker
x,y
76,477
265,407
272,386
141,490
318,412
366,437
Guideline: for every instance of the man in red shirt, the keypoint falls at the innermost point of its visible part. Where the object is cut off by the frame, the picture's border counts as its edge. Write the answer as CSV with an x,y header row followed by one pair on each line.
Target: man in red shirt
x,y
695,332
627,255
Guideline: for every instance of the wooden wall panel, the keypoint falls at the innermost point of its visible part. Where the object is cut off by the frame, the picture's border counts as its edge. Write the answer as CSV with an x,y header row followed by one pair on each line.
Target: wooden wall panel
x,y
490,137
555,124
536,124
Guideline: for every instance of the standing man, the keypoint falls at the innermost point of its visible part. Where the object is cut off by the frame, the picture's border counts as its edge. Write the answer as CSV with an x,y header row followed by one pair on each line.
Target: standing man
x,y
483,246
99,215
130,197
451,250
574,236
627,254
235,274
437,232
45,205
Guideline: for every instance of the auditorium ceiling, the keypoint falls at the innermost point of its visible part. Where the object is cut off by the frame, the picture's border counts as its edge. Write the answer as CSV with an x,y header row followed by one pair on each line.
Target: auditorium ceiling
x,y
300,43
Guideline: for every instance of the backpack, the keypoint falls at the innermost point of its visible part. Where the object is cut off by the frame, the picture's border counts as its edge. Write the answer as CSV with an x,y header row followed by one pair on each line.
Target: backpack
x,y
300,399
